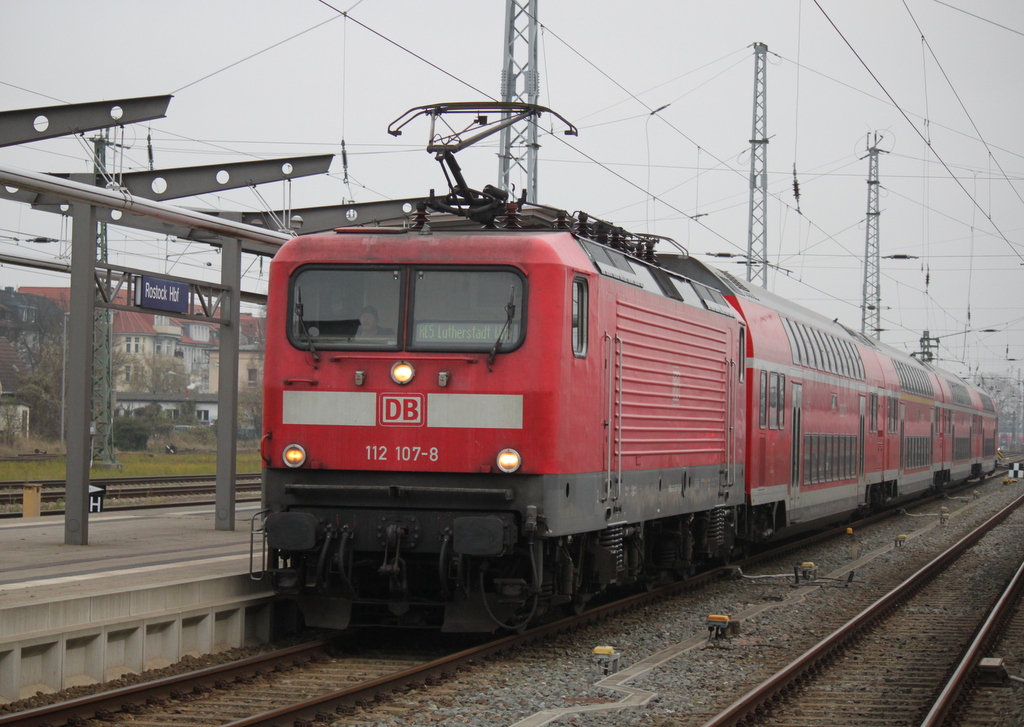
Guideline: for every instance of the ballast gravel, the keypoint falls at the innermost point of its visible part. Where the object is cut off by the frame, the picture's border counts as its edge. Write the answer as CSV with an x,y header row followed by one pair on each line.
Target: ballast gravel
x,y
667,664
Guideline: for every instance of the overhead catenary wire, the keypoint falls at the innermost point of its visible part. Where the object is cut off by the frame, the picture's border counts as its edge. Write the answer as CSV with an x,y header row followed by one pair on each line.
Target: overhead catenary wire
x,y
963,106
916,129
697,208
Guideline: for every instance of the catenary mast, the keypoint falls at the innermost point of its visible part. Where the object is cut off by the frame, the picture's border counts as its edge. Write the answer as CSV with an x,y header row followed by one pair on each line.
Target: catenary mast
x,y
102,372
870,312
757,242
520,81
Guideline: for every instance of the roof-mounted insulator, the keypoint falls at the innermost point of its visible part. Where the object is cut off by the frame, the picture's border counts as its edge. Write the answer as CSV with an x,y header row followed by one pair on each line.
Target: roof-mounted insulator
x,y
420,220
619,240
583,228
562,221
648,253
512,216
601,233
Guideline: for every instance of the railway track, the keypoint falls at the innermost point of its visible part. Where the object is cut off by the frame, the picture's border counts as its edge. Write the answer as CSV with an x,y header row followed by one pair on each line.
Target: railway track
x,y
992,696
278,685
896,655
292,690
282,683
127,488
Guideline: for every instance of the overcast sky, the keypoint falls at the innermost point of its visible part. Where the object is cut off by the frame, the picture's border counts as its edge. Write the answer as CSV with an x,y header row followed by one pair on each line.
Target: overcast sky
x,y
253,79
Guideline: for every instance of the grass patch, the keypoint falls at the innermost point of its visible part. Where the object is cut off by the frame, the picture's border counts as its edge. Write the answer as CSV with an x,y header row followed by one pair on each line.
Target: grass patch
x,y
133,464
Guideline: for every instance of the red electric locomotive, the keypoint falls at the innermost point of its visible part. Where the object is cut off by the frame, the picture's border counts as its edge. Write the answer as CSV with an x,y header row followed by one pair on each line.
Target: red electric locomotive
x,y
497,409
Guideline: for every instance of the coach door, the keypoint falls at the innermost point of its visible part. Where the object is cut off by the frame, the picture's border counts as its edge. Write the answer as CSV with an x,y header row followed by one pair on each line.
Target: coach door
x,y
737,374
796,457
613,418
862,441
903,418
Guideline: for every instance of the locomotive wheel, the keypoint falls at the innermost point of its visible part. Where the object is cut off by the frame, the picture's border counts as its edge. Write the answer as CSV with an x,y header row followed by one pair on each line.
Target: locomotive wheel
x,y
681,574
577,605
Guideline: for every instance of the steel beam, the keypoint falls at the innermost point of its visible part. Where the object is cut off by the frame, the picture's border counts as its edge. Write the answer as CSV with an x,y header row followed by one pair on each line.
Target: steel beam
x,y
79,396
49,122
303,220
85,198
227,381
28,262
322,219
266,241
164,184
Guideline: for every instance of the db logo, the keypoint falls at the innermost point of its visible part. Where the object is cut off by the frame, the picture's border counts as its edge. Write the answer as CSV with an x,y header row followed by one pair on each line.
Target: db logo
x,y
401,410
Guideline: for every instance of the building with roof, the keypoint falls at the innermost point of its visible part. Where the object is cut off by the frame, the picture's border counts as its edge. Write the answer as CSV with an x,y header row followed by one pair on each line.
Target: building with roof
x,y
172,404
25,317
146,346
154,345
167,360
14,414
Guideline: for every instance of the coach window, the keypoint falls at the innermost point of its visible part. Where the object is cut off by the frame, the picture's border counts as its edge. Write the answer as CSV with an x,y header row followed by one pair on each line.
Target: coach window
x,y
824,355
830,361
743,354
801,346
873,419
773,401
801,331
782,401
579,317
764,399
829,342
844,358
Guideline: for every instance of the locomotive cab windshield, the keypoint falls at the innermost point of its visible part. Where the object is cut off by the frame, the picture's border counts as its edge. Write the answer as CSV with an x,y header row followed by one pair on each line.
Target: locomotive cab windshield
x,y
449,308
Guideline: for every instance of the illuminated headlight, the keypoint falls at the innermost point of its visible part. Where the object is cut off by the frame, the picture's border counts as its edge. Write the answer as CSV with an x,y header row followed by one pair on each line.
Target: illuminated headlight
x,y
402,372
294,455
509,460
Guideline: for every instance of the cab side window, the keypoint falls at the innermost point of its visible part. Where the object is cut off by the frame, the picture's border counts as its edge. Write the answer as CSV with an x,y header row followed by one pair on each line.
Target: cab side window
x,y
580,317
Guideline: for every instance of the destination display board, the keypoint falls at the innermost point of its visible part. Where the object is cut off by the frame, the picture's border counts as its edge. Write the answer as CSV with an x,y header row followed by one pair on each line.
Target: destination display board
x,y
464,332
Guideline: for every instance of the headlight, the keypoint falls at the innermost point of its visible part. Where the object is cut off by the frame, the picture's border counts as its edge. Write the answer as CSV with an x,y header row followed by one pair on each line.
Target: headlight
x,y
294,455
402,372
509,460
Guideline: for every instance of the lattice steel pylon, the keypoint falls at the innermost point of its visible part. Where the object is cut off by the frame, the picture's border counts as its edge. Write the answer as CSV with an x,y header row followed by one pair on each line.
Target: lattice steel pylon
x,y
757,229
520,81
871,295
102,368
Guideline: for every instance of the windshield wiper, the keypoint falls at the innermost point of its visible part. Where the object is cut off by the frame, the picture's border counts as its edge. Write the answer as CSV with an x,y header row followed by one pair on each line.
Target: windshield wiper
x,y
510,313
302,323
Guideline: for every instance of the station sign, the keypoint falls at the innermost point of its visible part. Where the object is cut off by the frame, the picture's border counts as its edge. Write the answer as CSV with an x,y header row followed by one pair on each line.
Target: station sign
x,y
161,294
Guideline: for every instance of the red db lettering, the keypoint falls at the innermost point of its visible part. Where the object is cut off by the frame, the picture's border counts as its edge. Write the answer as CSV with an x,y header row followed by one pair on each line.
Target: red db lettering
x,y
401,410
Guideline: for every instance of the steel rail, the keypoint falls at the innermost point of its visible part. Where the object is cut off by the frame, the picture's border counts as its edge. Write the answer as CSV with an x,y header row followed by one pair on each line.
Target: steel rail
x,y
1003,609
117,700
130,508
759,699
129,480
380,689
140,487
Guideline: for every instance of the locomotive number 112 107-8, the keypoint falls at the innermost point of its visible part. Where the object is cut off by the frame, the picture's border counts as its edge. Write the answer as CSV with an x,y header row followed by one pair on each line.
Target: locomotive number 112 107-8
x,y
402,454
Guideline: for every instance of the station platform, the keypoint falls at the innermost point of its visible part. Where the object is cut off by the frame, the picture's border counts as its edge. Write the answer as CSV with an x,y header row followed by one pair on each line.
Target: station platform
x,y
151,587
